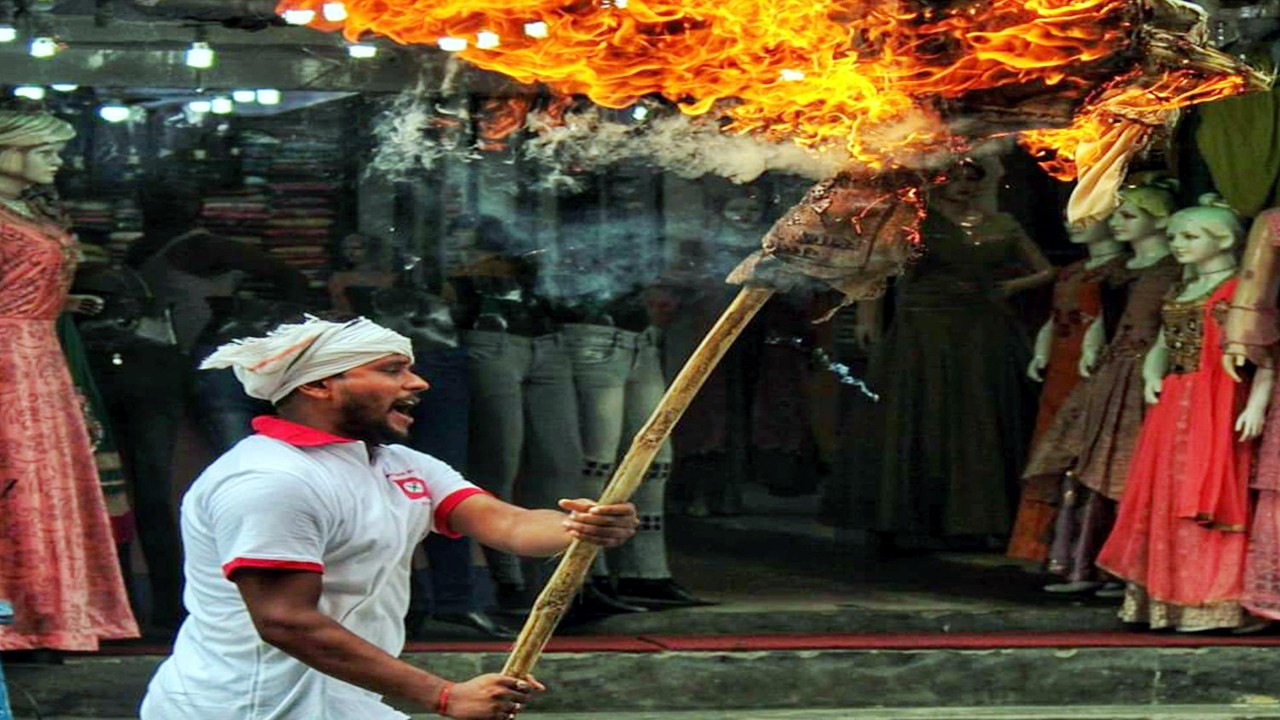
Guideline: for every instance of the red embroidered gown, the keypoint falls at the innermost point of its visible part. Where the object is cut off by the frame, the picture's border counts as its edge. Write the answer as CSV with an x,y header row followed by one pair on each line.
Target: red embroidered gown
x,y
1179,539
57,557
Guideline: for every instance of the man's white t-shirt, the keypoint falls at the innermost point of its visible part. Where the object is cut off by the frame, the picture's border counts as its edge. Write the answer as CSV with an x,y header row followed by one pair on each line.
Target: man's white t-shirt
x,y
292,497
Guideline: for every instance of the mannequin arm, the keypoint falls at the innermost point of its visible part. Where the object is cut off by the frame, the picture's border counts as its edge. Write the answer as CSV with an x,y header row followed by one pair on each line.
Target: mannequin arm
x,y
1041,269
867,322
1091,347
1040,359
1254,416
1251,324
1154,366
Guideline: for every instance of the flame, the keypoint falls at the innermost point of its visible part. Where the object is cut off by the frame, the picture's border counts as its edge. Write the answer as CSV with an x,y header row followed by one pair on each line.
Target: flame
x,y
1062,151
862,74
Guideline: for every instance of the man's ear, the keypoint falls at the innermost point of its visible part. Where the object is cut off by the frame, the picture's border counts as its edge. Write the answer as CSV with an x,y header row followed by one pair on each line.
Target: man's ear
x,y
318,389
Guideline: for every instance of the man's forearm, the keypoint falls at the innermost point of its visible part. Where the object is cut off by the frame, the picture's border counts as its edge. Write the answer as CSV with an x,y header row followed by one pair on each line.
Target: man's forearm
x,y
541,533
322,643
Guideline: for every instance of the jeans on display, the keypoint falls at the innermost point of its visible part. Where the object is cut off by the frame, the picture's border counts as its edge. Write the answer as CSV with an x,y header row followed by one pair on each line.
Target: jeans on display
x,y
618,377
440,429
223,410
524,423
144,388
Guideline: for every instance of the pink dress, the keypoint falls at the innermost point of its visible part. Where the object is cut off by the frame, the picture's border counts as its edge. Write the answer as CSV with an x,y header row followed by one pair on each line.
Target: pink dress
x,y
1179,538
57,557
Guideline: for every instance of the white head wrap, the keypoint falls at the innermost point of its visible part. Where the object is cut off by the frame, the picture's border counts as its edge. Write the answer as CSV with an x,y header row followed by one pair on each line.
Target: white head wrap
x,y
271,367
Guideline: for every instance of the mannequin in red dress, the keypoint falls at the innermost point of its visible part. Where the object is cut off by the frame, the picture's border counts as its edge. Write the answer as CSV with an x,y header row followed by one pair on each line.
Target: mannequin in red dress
x,y
57,564
1179,539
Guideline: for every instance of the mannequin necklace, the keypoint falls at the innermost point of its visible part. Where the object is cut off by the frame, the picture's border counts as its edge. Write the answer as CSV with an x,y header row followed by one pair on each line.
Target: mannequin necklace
x,y
18,206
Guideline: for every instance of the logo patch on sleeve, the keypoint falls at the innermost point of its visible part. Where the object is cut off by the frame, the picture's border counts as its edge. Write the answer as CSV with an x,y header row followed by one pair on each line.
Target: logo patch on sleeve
x,y
412,487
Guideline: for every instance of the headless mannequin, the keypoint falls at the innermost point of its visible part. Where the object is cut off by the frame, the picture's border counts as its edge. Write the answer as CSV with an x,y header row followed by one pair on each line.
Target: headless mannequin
x,y
1102,249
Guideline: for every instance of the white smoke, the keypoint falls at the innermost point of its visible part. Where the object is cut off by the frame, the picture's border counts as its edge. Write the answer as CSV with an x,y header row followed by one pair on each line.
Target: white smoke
x,y
592,139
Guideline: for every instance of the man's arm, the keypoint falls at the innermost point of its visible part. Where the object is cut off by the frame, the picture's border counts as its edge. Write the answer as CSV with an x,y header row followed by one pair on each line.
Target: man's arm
x,y
541,533
284,609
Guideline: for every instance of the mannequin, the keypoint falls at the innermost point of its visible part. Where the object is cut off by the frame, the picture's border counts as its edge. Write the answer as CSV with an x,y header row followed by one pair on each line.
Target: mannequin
x,y
1078,298
1082,460
55,534
617,376
524,414
955,405
1251,338
1179,538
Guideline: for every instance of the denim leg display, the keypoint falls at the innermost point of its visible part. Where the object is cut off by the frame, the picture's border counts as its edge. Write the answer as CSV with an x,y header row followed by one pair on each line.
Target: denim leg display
x,y
223,410
144,395
645,555
602,358
497,364
553,446
440,429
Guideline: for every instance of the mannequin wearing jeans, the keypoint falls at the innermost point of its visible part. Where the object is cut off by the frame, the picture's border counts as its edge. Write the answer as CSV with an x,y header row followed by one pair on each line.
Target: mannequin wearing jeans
x,y
524,415
617,372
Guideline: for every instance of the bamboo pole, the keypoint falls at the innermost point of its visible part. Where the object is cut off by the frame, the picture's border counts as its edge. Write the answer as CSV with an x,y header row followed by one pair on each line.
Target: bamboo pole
x,y
555,598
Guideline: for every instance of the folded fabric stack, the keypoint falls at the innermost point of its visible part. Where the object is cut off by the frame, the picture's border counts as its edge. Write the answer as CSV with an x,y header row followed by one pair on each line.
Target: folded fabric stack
x,y
237,214
115,224
296,163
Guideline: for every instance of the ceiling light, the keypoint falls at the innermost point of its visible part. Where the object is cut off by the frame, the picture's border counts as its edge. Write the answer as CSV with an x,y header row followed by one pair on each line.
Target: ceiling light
x,y
536,29
8,33
114,113
244,96
334,11
199,106
452,44
299,17
30,92
200,55
361,51
486,40
43,47
65,87
268,97
222,105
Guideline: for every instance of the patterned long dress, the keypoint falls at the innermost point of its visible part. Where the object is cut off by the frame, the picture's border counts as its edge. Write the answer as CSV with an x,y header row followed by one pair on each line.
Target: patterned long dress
x,y
58,563
1179,537
1077,302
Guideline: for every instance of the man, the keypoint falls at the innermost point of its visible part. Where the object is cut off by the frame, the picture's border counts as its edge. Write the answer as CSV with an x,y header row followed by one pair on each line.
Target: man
x,y
299,542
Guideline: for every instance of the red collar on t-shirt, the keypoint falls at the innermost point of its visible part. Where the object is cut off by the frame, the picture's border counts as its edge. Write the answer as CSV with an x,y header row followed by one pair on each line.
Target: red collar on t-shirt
x,y
294,433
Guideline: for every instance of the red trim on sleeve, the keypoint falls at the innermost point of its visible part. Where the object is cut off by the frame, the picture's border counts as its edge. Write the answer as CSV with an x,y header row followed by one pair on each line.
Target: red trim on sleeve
x,y
445,508
294,433
259,563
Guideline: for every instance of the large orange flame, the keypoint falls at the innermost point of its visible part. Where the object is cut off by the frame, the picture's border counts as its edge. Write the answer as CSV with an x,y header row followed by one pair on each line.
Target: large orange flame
x,y
867,75
857,73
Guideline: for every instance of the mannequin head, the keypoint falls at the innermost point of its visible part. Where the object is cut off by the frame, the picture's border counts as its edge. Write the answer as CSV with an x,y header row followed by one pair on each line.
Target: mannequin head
x,y
1201,233
1088,233
972,183
359,251
30,149
1144,211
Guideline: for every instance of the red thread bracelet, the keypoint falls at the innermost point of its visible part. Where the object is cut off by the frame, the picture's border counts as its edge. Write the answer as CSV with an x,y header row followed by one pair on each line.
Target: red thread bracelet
x,y
443,703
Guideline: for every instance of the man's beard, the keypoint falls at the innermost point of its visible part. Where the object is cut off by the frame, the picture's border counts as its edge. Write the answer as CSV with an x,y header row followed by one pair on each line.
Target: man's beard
x,y
369,423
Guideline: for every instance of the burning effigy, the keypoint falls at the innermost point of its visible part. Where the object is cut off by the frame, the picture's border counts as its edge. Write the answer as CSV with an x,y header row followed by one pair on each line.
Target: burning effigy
x,y
883,94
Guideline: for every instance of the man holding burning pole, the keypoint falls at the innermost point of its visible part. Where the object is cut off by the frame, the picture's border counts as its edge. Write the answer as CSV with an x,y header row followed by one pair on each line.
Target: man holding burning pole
x,y
299,542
